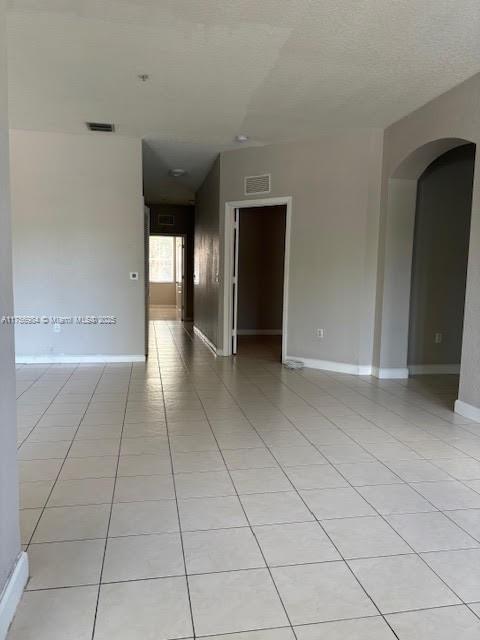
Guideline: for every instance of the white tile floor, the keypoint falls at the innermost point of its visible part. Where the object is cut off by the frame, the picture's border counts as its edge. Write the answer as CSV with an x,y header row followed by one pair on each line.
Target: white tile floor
x,y
195,497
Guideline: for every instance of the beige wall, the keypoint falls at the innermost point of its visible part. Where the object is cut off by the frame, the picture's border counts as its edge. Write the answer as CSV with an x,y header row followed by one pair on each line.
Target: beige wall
x,y
163,293
78,233
334,183
9,526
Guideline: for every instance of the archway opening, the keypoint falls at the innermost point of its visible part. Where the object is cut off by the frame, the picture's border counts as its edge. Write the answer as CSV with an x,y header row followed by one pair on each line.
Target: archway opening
x,y
394,325
439,268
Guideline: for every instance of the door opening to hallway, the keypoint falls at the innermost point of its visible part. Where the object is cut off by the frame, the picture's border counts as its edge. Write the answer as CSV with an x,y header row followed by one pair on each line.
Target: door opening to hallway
x,y
166,277
259,268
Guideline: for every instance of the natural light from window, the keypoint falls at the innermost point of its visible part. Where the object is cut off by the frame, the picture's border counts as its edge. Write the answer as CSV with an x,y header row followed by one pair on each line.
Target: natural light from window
x,y
162,259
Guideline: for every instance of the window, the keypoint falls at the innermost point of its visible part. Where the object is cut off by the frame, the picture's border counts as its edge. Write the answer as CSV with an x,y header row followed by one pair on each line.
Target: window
x,y
162,259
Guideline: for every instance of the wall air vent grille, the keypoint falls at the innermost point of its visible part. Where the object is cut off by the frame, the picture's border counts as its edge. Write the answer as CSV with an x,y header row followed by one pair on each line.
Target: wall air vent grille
x,y
166,219
106,127
256,185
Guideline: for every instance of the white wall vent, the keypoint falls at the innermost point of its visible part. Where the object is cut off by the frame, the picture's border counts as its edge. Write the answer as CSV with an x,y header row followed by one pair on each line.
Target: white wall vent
x,y
256,185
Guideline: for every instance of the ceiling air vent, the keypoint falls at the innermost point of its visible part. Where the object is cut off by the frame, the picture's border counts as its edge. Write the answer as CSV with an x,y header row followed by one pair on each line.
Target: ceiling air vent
x,y
106,127
166,219
255,185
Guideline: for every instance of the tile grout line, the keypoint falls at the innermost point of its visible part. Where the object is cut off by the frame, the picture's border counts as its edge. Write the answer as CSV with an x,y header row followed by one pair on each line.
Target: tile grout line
x,y
111,507
250,526
174,486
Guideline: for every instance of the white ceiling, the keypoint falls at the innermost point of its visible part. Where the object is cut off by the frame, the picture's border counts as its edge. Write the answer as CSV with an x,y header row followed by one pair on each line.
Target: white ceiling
x,y
276,70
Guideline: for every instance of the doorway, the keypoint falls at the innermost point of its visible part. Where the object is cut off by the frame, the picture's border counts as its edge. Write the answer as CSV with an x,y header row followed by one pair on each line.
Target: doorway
x,y
166,277
258,276
439,264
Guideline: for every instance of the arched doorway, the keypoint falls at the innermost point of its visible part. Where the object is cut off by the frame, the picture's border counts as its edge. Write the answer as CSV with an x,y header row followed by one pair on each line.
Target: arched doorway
x,y
440,261
396,255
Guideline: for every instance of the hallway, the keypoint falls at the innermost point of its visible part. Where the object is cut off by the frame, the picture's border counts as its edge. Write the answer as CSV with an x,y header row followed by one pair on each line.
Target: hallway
x,y
305,504
160,312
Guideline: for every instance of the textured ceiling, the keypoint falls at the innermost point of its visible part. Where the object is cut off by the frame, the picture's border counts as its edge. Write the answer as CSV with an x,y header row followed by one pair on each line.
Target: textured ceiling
x,y
273,69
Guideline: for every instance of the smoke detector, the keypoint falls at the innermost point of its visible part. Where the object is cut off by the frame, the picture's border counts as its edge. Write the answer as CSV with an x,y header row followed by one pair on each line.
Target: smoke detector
x,y
177,173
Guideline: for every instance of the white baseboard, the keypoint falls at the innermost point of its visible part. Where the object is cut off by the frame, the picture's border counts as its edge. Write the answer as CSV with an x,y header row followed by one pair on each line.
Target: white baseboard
x,y
10,597
390,374
205,340
330,365
365,370
467,410
432,369
259,332
98,359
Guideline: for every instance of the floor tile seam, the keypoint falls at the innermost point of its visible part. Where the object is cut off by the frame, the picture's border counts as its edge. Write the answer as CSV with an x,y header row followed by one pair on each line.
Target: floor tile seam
x,y
109,520
192,620
273,582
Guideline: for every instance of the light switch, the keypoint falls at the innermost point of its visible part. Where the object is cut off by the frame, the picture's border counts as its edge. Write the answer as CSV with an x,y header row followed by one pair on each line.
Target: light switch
x,y
133,275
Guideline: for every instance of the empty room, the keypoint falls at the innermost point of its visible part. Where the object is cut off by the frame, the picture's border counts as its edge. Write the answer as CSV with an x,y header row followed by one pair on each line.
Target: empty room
x,y
239,320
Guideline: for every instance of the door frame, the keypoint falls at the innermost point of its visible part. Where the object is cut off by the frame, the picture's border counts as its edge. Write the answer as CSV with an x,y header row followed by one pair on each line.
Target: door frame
x,y
229,256
184,289
146,275
183,236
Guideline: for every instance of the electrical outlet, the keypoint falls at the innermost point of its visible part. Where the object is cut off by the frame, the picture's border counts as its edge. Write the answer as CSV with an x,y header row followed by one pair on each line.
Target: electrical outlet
x,y
438,338
320,333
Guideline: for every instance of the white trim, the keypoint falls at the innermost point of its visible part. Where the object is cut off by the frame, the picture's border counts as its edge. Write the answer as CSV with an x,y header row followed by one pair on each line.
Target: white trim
x,y
337,367
425,369
259,332
390,374
234,279
228,266
365,370
467,410
62,359
204,339
10,597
